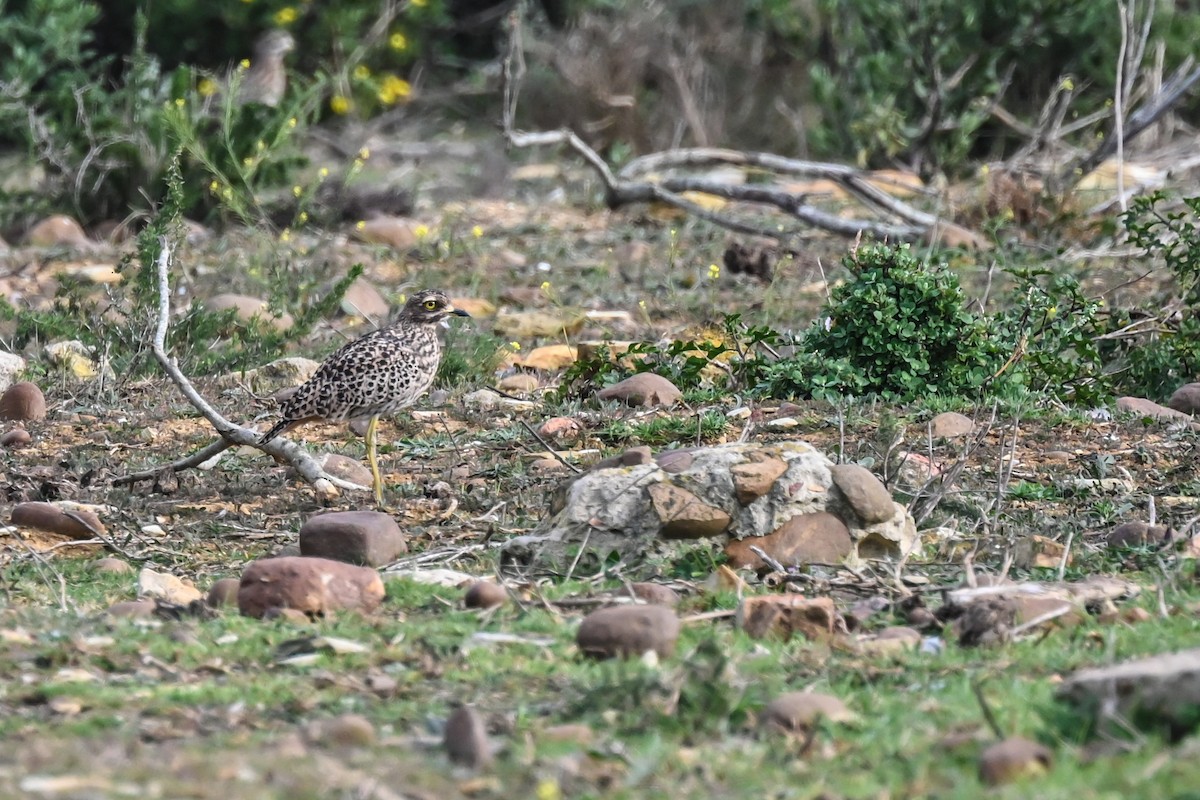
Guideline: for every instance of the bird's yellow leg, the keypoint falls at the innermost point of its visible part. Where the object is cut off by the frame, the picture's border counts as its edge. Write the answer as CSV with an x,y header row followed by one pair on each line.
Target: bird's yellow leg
x,y
373,460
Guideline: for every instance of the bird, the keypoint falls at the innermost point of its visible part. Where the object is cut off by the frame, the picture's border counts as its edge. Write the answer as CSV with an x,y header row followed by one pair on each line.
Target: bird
x,y
266,80
380,373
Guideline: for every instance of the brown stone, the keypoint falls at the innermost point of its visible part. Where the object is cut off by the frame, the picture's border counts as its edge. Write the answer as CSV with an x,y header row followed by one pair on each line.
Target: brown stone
x,y
362,299
628,631
314,586
368,538
16,439
896,639
345,730
575,733
642,389
755,479
477,307
23,402
485,594
1137,534
535,324
465,738
655,594
951,425
819,538
1039,551
223,593
518,383
111,566
133,609
865,493
1186,399
674,462
797,712
550,358
1148,408
782,615
1012,759
346,468
166,587
560,429
632,457
396,232
1031,607
58,230
247,308
684,515
78,524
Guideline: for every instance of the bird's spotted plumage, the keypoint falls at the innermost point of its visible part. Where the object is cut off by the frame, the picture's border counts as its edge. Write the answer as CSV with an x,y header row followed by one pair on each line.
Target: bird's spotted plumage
x,y
380,373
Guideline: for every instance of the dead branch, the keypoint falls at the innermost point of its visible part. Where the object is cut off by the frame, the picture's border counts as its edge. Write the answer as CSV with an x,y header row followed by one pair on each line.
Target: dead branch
x,y
231,434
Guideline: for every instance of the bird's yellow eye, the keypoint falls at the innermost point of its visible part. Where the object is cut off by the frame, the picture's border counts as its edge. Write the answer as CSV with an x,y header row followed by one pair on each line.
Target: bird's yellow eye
x,y
431,305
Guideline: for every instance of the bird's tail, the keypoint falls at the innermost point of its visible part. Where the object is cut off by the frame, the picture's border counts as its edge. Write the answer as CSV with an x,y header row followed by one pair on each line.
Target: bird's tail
x,y
276,429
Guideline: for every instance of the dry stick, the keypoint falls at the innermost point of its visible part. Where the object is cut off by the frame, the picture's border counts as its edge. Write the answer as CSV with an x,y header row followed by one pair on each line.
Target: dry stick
x,y
294,454
988,716
549,448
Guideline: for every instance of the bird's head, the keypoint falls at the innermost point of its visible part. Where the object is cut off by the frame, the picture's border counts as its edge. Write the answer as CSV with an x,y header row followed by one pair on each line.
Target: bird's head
x,y
428,306
274,44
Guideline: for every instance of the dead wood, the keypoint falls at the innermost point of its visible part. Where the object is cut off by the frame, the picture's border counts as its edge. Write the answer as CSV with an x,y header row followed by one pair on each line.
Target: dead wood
x,y
231,434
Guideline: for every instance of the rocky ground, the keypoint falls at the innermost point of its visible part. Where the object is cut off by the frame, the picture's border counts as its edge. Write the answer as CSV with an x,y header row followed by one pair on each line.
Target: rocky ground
x,y
636,592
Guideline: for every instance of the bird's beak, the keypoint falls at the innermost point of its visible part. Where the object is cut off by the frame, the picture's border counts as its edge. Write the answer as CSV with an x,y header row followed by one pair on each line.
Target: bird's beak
x,y
458,312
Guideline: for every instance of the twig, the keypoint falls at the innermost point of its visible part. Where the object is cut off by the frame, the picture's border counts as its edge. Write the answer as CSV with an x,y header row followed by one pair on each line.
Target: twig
x,y
549,449
988,716
768,559
294,454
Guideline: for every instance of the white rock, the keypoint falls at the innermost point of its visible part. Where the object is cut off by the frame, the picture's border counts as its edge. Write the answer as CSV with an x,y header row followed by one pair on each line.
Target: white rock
x,y
10,366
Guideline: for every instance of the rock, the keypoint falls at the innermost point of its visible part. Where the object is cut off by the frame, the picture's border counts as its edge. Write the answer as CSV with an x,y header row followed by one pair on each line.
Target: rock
x,y
575,733
477,307
278,375
560,429
754,479
15,439
1186,399
104,274
487,400
1013,759
346,468
367,538
166,587
610,510
797,712
133,609
346,730
951,425
314,586
111,566
1039,551
896,639
628,631
865,493
1056,612
223,593
465,738
74,356
819,538
1156,691
23,402
685,516
10,366
247,308
58,230
782,615
518,382
1137,534
550,358
77,523
1148,408
397,232
642,389
655,594
673,462
538,324
362,299
485,594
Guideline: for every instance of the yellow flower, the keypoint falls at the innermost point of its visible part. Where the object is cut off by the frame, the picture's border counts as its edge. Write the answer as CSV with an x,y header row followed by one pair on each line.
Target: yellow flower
x,y
547,789
180,102
477,231
360,225
339,104
285,16
247,161
398,41
244,64
1052,312
419,3
302,217
362,72
421,231
546,287
297,191
214,187
364,154
323,173
285,235
292,122
393,89
207,87
714,272
260,145
515,345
